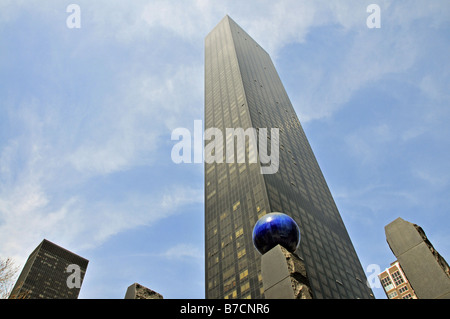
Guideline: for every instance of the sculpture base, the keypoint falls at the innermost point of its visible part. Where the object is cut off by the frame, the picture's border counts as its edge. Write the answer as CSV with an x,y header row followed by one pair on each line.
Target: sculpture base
x,y
137,291
284,275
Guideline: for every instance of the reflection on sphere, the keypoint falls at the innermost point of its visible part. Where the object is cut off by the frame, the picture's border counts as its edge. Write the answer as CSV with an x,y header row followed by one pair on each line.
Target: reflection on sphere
x,y
276,229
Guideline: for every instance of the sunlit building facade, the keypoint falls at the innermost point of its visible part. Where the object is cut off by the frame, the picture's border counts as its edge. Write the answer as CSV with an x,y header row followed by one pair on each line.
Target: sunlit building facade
x,y
395,283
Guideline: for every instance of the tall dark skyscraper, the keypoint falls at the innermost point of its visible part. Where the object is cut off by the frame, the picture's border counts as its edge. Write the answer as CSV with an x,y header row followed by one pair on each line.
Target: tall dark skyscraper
x,y
243,90
49,273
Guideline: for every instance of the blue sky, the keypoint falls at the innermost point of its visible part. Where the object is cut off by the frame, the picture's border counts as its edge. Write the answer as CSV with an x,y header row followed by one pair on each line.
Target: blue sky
x,y
86,116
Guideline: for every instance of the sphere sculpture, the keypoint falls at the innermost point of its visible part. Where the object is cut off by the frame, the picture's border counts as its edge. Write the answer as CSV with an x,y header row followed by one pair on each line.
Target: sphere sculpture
x,y
276,229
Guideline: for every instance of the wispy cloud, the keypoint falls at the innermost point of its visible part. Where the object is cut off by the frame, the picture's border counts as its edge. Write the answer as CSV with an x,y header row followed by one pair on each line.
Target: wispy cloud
x,y
72,135
80,109
79,222
182,251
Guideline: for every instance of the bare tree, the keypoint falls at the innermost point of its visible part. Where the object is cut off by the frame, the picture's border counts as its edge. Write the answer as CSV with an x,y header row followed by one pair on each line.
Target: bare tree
x,y
8,276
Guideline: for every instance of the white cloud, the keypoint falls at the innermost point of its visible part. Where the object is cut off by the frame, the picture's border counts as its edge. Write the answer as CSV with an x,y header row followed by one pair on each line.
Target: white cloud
x,y
368,58
28,216
7,156
435,88
133,127
56,154
436,180
43,171
371,144
371,54
60,149
183,250
186,19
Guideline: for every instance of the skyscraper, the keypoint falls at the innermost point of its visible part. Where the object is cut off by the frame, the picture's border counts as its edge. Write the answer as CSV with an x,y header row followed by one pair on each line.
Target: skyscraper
x,y
51,272
243,90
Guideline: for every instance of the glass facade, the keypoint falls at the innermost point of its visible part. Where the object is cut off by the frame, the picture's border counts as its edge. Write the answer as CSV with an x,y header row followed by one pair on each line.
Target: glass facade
x,y
243,90
45,275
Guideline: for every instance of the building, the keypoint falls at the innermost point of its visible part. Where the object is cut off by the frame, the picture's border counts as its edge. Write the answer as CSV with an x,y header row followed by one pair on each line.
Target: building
x,y
427,271
51,272
395,283
137,291
243,90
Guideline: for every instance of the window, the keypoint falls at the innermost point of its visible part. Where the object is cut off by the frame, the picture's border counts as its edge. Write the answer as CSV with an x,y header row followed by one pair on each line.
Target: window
x,y
233,295
261,214
211,194
403,289
241,253
392,295
229,285
245,287
398,279
387,283
243,274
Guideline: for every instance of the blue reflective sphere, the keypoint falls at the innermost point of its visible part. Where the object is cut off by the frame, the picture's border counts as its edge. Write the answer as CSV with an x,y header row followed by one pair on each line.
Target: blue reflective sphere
x,y
276,229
